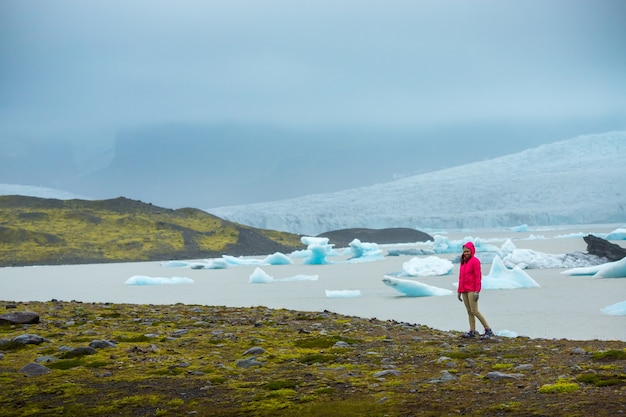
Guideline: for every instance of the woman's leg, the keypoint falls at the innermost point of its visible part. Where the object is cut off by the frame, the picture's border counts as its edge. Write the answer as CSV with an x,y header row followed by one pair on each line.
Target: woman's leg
x,y
473,309
468,306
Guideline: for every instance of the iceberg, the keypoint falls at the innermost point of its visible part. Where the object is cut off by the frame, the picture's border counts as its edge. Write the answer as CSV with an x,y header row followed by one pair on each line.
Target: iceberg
x,y
615,269
617,309
259,276
343,293
500,277
144,280
427,267
364,251
617,234
412,288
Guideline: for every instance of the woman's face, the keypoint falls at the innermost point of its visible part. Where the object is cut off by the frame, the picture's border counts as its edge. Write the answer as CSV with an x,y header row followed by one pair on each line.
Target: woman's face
x,y
466,253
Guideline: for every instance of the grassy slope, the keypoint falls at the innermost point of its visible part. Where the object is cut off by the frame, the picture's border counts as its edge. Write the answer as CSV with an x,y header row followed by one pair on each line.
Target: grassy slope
x,y
36,231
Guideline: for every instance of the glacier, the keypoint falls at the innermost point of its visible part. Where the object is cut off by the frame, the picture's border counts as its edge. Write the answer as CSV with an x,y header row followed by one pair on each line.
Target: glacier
x,y
574,181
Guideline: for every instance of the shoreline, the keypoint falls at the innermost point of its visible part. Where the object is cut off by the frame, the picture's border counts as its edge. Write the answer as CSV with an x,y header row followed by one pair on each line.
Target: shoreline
x,y
564,307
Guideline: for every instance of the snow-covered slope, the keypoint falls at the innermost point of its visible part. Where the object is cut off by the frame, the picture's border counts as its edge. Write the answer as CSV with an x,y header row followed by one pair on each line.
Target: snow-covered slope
x,y
576,181
42,192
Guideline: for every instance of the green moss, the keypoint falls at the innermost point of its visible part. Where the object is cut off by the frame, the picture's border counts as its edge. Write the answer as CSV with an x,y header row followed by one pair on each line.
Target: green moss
x,y
281,384
559,388
65,364
612,354
602,380
316,358
137,338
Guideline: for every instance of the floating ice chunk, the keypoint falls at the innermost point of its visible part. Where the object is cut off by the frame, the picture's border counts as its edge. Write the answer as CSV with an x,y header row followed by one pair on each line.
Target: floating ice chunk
x,y
615,269
586,270
277,259
617,234
443,245
531,259
520,228
505,333
144,280
617,309
259,276
217,264
300,277
364,250
571,236
535,237
318,249
210,264
175,264
500,277
316,255
427,267
343,293
314,240
412,288
232,260
508,247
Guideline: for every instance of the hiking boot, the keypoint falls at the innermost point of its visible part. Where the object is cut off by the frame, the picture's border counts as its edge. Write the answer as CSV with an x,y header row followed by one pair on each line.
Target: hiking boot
x,y
488,333
470,335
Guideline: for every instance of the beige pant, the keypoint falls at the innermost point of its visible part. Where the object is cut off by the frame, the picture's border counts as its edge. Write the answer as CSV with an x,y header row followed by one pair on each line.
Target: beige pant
x,y
472,310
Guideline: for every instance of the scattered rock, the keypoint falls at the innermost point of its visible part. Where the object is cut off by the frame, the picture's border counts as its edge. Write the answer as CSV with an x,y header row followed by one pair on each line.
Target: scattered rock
x,y
78,352
26,339
101,344
604,249
445,376
34,369
499,376
247,363
46,359
20,317
254,351
387,372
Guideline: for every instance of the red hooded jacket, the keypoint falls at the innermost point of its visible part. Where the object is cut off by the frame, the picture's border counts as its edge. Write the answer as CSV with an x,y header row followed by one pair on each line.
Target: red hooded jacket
x,y
470,275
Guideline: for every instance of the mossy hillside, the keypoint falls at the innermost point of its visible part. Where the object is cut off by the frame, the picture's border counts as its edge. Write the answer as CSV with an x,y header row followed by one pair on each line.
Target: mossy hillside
x,y
48,231
171,360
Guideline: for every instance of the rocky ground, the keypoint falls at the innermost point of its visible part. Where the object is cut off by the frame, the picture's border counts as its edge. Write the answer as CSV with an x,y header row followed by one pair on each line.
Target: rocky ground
x,y
84,359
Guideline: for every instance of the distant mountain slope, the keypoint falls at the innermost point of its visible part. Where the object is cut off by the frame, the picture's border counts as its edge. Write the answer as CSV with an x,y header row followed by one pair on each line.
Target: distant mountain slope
x,y
576,181
41,192
36,231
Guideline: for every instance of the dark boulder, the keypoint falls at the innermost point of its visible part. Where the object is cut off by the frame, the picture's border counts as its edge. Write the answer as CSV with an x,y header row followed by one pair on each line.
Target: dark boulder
x,y
19,317
34,369
29,339
604,249
78,352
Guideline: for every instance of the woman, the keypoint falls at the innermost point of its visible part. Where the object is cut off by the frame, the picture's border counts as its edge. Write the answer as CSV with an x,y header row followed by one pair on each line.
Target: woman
x,y
470,277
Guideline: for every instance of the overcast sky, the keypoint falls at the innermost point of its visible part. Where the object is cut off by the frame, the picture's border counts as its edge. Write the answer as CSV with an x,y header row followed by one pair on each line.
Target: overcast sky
x,y
98,66
309,62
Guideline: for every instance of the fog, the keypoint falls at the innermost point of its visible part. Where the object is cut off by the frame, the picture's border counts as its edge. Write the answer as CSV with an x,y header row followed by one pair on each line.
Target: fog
x,y
174,102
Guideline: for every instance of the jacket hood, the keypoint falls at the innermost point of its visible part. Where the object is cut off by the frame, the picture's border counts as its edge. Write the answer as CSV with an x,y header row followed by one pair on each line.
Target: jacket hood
x,y
470,246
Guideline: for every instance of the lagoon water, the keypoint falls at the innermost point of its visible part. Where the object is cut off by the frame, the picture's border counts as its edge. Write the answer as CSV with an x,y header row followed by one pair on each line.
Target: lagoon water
x,y
564,307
